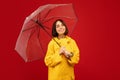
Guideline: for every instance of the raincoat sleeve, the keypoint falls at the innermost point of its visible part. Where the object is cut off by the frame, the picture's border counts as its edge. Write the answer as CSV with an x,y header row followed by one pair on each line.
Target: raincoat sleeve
x,y
76,54
52,57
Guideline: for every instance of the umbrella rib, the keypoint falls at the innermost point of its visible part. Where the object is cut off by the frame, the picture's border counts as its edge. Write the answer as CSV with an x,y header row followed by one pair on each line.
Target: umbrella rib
x,y
32,32
47,32
33,26
46,15
40,24
39,16
56,17
40,41
43,27
30,27
27,29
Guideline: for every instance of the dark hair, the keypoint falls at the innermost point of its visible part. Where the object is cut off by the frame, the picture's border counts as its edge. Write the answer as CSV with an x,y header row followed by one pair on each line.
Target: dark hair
x,y
54,32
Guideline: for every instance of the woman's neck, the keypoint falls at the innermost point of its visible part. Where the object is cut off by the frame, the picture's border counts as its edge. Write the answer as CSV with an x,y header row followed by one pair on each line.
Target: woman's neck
x,y
61,36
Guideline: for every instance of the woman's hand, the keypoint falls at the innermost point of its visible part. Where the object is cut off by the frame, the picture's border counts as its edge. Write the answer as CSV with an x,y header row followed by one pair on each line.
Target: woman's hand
x,y
65,52
62,50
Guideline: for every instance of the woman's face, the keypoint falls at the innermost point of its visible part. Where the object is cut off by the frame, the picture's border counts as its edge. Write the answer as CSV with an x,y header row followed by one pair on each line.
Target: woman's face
x,y
60,28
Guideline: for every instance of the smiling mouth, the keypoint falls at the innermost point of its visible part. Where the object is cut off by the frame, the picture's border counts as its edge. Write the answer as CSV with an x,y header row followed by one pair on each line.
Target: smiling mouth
x,y
61,30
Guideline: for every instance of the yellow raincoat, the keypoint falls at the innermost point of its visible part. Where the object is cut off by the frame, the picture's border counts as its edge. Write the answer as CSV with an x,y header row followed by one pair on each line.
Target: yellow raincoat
x,y
59,67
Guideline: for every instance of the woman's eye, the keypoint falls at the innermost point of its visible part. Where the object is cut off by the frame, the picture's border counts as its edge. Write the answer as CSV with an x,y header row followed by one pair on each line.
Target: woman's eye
x,y
57,26
62,25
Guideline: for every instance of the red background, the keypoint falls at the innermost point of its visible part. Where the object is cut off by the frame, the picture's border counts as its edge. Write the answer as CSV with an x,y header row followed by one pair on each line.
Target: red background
x,y
97,35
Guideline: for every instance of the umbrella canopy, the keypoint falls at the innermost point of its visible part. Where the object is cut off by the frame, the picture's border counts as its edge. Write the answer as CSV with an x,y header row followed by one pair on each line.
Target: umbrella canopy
x,y
36,30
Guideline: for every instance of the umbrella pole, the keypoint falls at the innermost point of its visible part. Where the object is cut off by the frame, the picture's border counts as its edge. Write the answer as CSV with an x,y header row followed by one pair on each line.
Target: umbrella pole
x,y
41,26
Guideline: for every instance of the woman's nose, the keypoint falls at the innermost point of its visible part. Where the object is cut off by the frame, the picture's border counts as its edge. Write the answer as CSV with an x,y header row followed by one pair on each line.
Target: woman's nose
x,y
61,26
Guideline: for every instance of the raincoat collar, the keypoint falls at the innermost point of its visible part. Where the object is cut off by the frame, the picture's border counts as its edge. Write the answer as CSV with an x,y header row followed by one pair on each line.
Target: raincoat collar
x,y
67,38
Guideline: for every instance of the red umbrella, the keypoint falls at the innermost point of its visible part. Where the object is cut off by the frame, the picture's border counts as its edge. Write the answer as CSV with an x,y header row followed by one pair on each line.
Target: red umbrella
x,y
36,31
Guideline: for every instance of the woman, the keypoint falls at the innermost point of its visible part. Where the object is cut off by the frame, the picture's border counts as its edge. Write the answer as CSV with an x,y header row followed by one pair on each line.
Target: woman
x,y
61,59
